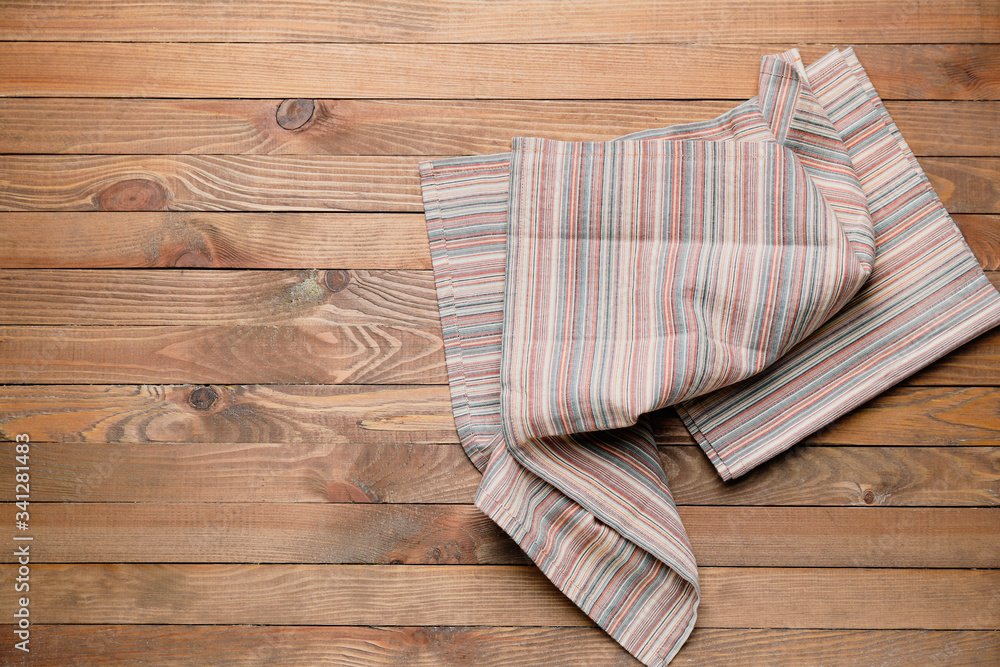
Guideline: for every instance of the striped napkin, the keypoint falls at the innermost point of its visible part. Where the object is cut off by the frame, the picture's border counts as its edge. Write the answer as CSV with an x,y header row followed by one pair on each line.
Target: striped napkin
x,y
764,272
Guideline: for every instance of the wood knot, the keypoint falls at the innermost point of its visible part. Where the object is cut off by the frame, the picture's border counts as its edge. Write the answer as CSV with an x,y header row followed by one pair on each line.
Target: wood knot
x,y
337,279
294,114
193,260
869,497
203,398
135,194
345,492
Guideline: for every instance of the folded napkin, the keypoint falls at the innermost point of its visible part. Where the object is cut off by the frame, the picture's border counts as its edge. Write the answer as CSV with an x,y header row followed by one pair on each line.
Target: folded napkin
x,y
763,272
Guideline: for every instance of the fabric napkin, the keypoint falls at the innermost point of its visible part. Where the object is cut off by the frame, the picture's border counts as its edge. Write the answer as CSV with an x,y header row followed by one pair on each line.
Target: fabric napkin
x,y
763,272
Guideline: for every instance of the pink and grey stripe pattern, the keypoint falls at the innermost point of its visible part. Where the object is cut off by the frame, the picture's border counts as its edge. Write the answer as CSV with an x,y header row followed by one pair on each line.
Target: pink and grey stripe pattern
x,y
765,271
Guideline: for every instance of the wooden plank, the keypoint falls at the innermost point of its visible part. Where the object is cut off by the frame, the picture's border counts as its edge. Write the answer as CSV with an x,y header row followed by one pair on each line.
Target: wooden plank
x,y
199,297
978,361
449,534
961,416
271,533
478,71
483,21
323,354
100,645
965,185
982,233
230,413
125,239
221,313
409,127
948,128
931,416
289,472
829,475
937,599
38,240
210,183
380,473
313,183
722,647
295,594
852,598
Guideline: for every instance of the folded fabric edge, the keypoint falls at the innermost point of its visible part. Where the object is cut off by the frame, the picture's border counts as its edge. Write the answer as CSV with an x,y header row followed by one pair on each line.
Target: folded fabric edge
x,y
614,581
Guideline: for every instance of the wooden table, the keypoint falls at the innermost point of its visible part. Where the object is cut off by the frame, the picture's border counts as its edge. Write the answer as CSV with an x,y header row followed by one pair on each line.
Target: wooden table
x,y
219,331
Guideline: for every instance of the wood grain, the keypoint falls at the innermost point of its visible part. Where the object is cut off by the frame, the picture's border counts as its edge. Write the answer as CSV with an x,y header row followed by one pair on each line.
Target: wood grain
x,y
467,71
460,534
126,239
198,297
298,594
948,128
273,533
211,482
322,354
931,416
326,353
313,183
409,127
298,307
484,21
100,645
230,413
288,472
965,185
830,475
210,183
978,361
40,240
982,233
382,473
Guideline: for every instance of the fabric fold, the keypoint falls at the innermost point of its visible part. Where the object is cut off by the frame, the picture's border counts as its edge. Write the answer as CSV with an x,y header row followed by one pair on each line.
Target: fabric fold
x,y
726,267
926,296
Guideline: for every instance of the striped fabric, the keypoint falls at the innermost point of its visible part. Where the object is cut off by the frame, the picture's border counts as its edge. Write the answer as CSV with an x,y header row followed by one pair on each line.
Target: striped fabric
x,y
765,272
927,295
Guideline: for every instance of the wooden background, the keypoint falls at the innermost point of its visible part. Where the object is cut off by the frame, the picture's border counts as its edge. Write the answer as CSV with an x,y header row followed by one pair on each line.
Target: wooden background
x,y
218,328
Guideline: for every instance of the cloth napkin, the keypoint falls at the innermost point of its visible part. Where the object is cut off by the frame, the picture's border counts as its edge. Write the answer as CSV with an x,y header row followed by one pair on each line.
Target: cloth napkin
x,y
764,272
